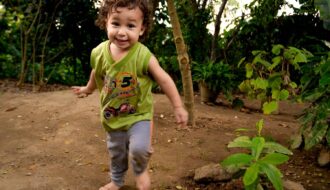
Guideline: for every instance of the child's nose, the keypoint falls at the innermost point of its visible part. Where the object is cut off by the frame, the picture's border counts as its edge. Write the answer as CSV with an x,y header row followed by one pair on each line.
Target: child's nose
x,y
121,31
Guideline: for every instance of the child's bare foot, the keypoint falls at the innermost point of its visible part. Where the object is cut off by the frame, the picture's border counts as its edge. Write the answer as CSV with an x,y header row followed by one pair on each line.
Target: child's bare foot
x,y
143,181
110,186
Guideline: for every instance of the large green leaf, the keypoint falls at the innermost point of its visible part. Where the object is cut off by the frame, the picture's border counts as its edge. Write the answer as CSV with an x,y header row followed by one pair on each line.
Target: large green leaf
x,y
293,85
325,79
259,59
300,58
245,86
276,50
306,120
241,61
325,67
269,107
240,142
296,141
318,132
280,94
276,147
251,174
274,158
259,126
274,175
259,83
297,57
239,159
254,186
249,70
257,52
257,146
275,81
276,94
314,95
284,94
276,61
288,55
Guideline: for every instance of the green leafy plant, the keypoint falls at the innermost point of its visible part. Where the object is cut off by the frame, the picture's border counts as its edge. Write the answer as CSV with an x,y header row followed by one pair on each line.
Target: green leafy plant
x,y
216,76
261,161
316,118
268,75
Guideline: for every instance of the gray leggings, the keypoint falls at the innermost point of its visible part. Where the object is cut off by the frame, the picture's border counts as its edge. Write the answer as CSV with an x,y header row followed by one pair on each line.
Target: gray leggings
x,y
134,143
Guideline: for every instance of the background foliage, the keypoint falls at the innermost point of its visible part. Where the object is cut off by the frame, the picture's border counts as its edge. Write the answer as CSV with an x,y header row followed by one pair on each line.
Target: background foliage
x,y
50,41
73,35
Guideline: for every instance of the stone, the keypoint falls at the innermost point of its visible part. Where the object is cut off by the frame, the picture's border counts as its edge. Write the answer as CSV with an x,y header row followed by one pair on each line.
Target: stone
x,y
324,157
212,173
291,185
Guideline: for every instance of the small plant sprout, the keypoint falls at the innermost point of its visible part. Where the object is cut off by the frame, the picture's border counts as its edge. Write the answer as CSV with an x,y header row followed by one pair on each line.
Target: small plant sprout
x,y
261,161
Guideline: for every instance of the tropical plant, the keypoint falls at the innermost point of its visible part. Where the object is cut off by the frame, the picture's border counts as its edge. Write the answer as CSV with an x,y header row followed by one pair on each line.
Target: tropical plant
x,y
316,118
218,77
269,75
261,161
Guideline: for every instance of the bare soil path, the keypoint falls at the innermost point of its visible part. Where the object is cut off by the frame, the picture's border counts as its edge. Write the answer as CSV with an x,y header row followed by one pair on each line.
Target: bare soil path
x,y
53,141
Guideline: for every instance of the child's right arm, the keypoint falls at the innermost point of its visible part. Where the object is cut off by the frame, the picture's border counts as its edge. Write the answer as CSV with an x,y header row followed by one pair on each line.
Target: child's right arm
x,y
89,88
168,86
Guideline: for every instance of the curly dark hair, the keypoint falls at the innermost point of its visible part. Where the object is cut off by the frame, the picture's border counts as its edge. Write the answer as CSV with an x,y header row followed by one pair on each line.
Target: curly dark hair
x,y
108,5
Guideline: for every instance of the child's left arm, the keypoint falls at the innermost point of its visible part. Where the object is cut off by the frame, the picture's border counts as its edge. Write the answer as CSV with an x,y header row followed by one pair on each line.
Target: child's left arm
x,y
168,86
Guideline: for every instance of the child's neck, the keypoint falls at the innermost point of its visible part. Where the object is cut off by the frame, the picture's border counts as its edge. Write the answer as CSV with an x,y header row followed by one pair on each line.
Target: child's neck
x,y
117,53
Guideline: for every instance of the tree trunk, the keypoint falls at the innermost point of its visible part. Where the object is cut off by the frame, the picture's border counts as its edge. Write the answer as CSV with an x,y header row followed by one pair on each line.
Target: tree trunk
x,y
43,51
24,42
24,45
204,4
217,30
152,5
183,59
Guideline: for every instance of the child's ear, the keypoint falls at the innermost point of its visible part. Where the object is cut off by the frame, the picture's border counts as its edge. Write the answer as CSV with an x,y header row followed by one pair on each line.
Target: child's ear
x,y
142,30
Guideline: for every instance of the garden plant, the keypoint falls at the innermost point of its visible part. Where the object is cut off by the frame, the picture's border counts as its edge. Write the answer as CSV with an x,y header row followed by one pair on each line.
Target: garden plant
x,y
316,117
215,77
261,161
268,75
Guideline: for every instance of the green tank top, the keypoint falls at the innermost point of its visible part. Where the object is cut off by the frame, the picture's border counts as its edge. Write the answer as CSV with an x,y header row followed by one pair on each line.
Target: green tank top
x,y
124,86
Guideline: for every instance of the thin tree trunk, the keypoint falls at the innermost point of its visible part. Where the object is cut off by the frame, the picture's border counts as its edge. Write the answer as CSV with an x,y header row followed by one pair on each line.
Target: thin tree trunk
x,y
152,5
204,4
183,59
34,51
232,38
217,30
24,37
42,62
34,77
24,45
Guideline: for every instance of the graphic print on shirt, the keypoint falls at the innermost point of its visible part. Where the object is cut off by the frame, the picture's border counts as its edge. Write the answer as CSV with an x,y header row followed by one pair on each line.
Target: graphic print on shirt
x,y
121,88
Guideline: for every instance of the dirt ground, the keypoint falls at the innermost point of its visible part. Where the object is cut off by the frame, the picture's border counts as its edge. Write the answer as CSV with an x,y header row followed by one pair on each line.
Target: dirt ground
x,y
53,141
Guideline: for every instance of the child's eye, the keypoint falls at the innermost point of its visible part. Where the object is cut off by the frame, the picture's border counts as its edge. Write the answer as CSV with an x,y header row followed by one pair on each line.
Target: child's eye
x,y
115,24
131,25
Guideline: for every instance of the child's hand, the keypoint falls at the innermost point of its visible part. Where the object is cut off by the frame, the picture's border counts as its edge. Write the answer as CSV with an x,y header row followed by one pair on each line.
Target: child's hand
x,y
81,91
181,116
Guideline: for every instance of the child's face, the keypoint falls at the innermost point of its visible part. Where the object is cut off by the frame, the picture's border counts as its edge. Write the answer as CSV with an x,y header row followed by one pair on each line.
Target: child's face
x,y
125,26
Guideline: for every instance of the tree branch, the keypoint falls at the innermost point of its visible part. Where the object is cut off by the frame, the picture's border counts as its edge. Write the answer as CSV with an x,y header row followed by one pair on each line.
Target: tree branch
x,y
217,30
